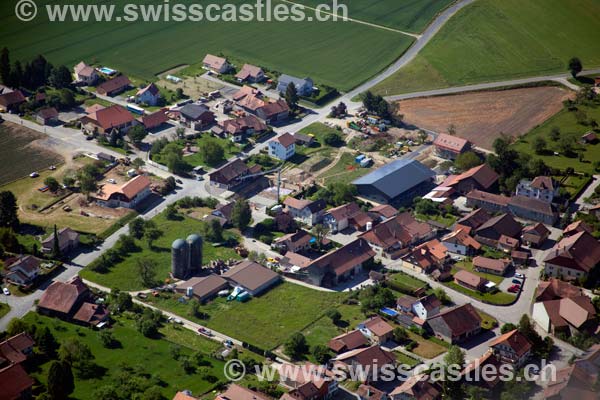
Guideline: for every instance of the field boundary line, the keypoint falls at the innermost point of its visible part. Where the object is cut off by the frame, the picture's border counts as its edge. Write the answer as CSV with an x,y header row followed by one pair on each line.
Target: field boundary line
x,y
358,21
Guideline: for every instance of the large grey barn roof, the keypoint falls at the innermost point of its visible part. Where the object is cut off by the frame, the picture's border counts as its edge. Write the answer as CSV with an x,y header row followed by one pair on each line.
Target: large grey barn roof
x,y
396,177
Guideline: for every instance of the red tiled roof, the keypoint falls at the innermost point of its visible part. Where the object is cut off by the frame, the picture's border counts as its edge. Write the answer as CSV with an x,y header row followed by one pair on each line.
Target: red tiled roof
x,y
580,251
49,112
249,71
111,117
274,108
461,319
214,61
470,278
286,140
114,84
486,197
483,174
346,257
515,340
62,296
348,341
556,289
250,275
13,347
13,382
543,183
490,263
449,142
155,119
236,392
11,98
378,326
418,387
151,88
91,313
385,210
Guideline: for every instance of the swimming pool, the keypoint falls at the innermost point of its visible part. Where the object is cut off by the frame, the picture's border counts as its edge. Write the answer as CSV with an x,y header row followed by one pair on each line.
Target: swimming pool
x,y
107,71
389,311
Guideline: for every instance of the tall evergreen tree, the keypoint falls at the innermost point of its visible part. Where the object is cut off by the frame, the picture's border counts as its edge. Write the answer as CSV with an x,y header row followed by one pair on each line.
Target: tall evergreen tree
x,y
8,210
55,244
291,96
60,380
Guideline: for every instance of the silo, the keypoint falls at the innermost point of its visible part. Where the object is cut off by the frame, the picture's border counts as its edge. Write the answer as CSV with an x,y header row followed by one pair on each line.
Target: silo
x,y
194,242
179,259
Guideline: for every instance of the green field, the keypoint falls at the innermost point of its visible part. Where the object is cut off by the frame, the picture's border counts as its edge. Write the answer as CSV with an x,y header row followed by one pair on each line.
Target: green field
x,y
468,266
124,275
492,40
4,309
345,170
499,298
135,351
265,321
567,123
339,54
406,15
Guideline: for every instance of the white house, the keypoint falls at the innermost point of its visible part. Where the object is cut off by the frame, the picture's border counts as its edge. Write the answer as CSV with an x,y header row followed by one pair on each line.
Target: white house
x,y
304,87
85,74
541,187
149,95
23,270
306,211
426,307
128,195
216,64
282,147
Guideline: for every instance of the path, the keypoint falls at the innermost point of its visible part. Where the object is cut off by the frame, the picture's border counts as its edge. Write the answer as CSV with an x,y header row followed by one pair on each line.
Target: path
x,y
580,203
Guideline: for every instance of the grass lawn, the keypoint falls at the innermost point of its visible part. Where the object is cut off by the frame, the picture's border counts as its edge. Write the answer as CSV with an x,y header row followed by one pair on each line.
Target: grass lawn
x,y
345,170
265,321
4,309
408,281
468,265
566,122
407,15
322,330
124,275
499,298
339,54
487,321
318,132
492,40
230,149
402,358
426,348
151,355
446,219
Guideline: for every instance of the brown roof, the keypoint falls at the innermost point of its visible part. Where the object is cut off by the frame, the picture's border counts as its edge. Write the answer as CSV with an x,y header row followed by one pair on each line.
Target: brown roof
x,y
483,174
91,313
346,257
427,254
577,226
580,251
344,211
12,348
13,382
236,392
183,396
62,296
250,275
64,234
94,108
134,186
461,319
532,204
151,88
246,91
430,302
556,289
509,242
274,108
11,98
251,102
538,229
461,236
155,119
249,71
475,218
214,61
203,286
503,224
300,238
300,204
370,393
46,113
229,172
83,69
239,125
577,310
469,278
373,355
543,183
486,197
286,140
402,228
406,301
378,326
114,84
110,117
452,143
28,263
385,210
515,340
348,341
418,387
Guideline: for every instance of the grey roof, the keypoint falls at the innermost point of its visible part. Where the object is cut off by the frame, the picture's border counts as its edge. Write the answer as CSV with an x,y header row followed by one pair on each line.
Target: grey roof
x,y
193,111
397,177
287,79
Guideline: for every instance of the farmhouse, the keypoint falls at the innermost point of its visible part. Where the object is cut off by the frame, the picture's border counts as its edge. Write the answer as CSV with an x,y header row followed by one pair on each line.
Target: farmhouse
x,y
573,257
47,116
482,177
154,120
304,87
426,307
576,227
341,264
365,361
196,116
294,242
456,324
128,195
149,95
348,341
85,74
306,211
282,147
240,128
252,277
535,235
250,73
230,174
396,183
541,187
532,209
114,86
10,101
368,392
14,382
474,219
216,64
203,288
377,330
460,242
470,280
339,218
512,347
22,270
448,146
571,315
107,119
578,380
68,240
490,232
555,289
273,112
490,265
426,257
383,212
417,387
488,201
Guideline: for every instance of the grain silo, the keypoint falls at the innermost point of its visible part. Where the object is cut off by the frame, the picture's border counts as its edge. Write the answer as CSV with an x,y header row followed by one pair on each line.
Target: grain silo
x,y
194,243
179,259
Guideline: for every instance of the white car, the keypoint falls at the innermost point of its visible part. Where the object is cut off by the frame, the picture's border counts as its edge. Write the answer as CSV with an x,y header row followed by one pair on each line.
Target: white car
x,y
34,175
6,291
518,275
111,181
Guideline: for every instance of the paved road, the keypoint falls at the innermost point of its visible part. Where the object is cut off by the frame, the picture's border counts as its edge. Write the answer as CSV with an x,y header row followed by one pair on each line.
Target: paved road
x,y
580,204
562,78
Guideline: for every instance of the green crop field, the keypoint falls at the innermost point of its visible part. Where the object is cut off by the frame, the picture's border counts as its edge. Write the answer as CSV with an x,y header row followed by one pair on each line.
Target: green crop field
x,y
492,40
407,15
339,54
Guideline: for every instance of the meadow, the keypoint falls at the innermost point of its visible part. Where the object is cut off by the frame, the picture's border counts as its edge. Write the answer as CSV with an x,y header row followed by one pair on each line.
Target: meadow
x,y
406,15
493,40
338,54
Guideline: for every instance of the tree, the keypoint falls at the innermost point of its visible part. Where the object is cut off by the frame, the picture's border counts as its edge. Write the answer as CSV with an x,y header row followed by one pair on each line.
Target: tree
x,y
45,341
320,353
575,66
68,181
137,227
171,212
151,233
137,134
60,382
5,67
566,146
539,145
400,335
16,326
179,93
467,160
241,214
451,129
291,96
507,328
138,163
87,183
52,184
333,139
334,315
147,271
454,361
555,134
296,346
107,339
454,356
320,231
16,75
8,210
55,244
61,77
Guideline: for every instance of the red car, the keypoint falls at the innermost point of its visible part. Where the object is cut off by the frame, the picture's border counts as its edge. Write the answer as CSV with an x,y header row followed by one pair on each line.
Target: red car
x,y
514,288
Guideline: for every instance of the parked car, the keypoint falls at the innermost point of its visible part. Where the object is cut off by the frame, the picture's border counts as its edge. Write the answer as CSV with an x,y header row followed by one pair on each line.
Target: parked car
x,y
514,288
203,331
6,291
111,180
228,343
518,282
34,175
179,181
520,276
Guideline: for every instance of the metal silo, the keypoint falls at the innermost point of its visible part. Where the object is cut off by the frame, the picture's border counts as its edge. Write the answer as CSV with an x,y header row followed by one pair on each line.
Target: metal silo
x,y
194,243
179,259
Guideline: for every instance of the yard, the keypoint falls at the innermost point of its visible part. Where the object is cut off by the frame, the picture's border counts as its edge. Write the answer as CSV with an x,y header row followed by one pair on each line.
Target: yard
x,y
498,298
265,321
124,275
468,266
406,281
492,40
566,122
135,350
339,54
345,170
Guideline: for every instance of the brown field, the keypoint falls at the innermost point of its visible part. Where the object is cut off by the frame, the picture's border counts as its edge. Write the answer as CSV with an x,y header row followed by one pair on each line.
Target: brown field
x,y
482,116
20,153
